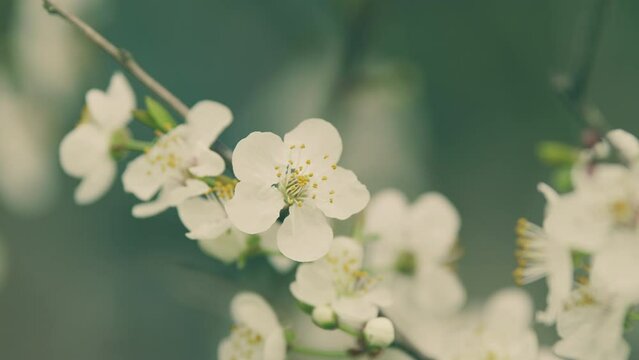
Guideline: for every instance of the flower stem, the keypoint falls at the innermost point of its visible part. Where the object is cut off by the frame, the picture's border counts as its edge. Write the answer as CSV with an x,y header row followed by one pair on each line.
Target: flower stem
x,y
303,350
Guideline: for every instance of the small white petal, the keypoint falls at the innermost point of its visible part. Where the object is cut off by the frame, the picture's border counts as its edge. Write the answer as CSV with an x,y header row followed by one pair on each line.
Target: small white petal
x,y
625,142
305,234
142,178
205,219
82,148
313,284
386,214
254,207
509,311
438,290
549,193
319,137
434,224
112,109
354,312
206,120
226,247
96,183
191,188
349,195
275,346
209,163
253,311
256,157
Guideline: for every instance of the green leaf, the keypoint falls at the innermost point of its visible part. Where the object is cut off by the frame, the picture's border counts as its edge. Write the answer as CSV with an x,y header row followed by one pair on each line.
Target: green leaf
x,y
554,153
162,118
144,117
562,179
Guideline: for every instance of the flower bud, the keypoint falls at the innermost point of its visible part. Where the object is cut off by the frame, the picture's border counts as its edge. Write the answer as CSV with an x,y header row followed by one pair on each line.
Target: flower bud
x,y
324,317
379,332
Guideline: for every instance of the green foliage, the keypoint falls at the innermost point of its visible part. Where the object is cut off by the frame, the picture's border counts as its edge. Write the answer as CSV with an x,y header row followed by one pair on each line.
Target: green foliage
x,y
161,118
554,153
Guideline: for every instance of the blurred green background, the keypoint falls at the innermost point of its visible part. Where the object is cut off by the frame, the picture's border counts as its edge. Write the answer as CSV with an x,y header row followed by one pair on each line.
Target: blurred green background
x,y
434,95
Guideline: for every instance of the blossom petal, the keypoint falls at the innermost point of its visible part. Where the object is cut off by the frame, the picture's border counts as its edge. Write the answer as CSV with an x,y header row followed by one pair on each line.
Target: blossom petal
x,y
205,218
342,195
206,120
142,178
434,224
386,213
625,142
275,346
226,247
319,137
96,183
181,193
269,242
82,148
509,312
209,163
313,284
112,109
354,311
305,234
253,311
439,290
254,207
256,157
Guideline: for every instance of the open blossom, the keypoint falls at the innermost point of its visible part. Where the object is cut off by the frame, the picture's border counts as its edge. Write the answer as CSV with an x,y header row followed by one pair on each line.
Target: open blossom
x,y
256,334
208,223
539,255
86,151
502,330
591,326
174,163
300,173
338,281
605,199
412,248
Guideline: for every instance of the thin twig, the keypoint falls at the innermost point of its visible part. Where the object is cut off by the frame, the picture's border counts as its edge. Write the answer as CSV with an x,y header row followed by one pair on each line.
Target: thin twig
x,y
403,343
126,60
572,89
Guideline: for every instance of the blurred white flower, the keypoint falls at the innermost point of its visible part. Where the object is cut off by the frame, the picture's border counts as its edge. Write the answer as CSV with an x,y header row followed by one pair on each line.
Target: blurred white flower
x,y
339,282
256,335
605,200
176,161
411,246
379,332
208,223
501,331
591,326
86,151
299,173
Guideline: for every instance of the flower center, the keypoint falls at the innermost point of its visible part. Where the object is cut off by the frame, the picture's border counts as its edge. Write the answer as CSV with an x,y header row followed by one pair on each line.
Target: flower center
x,y
297,179
622,212
245,343
406,263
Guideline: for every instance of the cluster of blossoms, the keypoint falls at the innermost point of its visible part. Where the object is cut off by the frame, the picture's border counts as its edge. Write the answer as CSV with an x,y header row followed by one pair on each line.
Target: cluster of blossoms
x,y
279,195
587,249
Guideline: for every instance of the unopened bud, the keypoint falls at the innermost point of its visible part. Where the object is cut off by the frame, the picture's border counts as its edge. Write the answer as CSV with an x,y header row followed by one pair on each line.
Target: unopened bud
x,y
379,332
324,317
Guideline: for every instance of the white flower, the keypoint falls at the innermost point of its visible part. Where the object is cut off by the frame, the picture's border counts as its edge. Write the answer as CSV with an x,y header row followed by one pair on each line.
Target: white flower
x,y
338,281
605,200
615,266
256,335
412,250
379,332
501,331
539,256
299,173
208,223
86,151
591,327
324,317
176,161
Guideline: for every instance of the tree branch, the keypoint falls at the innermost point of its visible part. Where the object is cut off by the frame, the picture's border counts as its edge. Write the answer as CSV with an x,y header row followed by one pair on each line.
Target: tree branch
x,y
126,60
572,88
